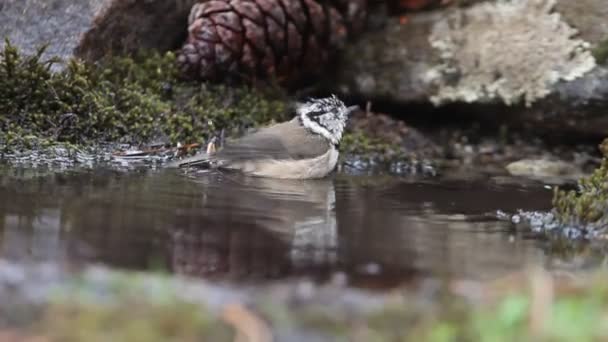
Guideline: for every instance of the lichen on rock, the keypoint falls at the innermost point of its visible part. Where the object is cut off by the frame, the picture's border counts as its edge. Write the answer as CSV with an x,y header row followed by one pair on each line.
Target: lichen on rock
x,y
512,51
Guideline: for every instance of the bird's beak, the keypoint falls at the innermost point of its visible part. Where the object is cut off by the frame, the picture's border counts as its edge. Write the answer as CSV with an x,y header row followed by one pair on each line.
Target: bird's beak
x,y
351,109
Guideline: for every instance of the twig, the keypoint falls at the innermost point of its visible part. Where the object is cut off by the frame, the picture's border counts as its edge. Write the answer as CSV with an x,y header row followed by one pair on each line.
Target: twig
x,y
249,327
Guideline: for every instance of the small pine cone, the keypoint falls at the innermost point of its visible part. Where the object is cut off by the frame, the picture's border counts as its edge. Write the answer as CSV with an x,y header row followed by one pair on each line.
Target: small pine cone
x,y
261,38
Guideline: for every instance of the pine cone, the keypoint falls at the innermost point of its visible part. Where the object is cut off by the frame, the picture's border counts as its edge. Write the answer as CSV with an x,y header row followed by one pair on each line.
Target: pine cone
x,y
262,38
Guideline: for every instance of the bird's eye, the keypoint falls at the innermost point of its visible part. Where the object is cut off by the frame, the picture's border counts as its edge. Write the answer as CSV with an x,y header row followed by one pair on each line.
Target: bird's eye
x,y
315,113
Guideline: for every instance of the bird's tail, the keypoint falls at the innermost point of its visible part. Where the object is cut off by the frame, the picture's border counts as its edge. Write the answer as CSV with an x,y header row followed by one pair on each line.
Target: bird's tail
x,y
203,159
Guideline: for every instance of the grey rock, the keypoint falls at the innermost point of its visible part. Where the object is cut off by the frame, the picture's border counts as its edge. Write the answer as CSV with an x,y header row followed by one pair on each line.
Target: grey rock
x,y
576,109
528,62
544,169
587,16
91,29
391,62
511,52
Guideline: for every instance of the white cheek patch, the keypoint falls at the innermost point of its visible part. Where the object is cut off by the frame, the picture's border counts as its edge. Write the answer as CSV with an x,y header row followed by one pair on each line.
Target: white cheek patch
x,y
329,126
316,128
333,135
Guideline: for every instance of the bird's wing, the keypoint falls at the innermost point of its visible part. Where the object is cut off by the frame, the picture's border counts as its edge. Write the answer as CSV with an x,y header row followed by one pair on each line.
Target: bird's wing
x,y
288,140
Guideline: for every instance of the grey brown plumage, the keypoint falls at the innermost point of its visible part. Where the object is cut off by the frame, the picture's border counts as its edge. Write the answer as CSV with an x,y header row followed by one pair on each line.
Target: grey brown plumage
x,y
280,141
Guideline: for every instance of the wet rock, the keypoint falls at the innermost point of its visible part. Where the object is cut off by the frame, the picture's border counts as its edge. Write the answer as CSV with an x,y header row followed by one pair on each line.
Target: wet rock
x,y
92,28
537,58
390,63
543,169
376,142
398,134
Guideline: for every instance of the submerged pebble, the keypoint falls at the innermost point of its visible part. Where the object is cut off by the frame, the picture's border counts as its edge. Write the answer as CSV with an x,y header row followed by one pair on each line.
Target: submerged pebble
x,y
357,164
546,222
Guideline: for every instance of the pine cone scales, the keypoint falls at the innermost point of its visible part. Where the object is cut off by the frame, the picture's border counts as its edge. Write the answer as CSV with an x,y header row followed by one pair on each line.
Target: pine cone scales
x,y
259,38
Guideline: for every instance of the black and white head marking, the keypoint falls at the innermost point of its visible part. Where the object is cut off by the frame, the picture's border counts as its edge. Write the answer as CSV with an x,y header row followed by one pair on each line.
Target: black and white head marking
x,y
325,116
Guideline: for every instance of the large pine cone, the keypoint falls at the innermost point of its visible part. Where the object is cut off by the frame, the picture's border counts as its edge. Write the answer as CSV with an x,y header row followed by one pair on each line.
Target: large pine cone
x,y
266,38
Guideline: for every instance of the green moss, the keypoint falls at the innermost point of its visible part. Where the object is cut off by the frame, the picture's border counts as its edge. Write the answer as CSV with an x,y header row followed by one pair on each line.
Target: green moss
x,y
600,52
135,100
132,320
512,316
112,306
360,143
122,99
380,153
587,206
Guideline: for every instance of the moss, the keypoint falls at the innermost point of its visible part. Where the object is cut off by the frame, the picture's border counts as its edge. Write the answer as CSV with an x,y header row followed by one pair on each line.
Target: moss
x,y
121,99
135,100
507,319
124,306
139,100
360,143
586,208
516,315
600,52
132,320
362,151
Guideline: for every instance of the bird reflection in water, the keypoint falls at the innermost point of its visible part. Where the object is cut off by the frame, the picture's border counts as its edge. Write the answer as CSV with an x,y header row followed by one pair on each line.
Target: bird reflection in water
x,y
250,227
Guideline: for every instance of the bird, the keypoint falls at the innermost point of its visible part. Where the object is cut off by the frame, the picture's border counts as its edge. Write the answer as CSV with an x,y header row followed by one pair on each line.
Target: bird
x,y
305,147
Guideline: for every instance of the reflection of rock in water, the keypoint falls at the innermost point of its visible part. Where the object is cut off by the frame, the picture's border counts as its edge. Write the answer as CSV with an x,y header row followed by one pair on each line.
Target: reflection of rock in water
x,y
254,227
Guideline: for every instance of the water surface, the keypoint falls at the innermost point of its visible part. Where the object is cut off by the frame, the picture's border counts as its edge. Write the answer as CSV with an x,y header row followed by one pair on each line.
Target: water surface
x,y
377,230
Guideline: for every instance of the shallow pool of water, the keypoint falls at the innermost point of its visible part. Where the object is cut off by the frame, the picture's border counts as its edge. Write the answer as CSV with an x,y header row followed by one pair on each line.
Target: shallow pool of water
x,y
377,230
